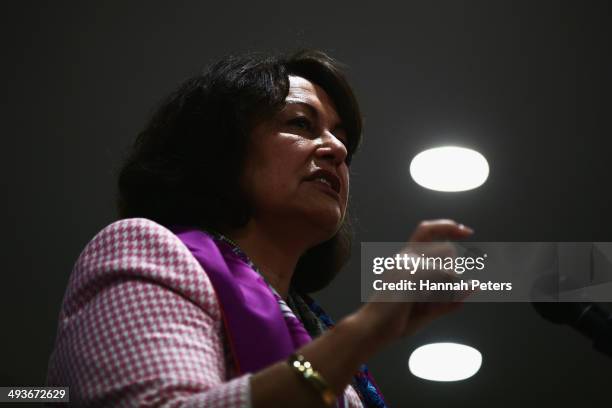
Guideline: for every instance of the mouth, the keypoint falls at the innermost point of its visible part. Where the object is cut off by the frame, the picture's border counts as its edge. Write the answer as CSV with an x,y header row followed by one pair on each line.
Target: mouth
x,y
326,179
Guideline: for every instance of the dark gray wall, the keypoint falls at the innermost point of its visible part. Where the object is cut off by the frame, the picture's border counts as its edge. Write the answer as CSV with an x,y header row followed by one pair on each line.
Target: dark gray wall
x,y
527,83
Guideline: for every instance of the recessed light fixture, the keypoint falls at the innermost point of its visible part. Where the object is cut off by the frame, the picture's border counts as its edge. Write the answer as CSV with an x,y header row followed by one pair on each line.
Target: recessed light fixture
x,y
445,362
449,168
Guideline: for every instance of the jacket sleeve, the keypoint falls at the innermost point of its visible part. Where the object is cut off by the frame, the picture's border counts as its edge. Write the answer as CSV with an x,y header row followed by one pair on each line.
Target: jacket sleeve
x,y
140,325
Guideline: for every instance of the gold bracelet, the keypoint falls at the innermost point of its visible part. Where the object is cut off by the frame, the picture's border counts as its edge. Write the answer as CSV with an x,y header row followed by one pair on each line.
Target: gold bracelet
x,y
304,369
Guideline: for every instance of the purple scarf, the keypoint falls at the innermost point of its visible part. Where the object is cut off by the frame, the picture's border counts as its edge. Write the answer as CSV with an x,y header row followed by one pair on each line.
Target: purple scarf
x,y
258,333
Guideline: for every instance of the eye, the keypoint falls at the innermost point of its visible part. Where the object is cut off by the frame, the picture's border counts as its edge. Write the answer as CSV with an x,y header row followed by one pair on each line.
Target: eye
x,y
301,122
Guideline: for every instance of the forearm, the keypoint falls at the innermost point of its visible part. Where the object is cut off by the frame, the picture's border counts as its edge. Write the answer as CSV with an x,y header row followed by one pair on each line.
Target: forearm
x,y
336,355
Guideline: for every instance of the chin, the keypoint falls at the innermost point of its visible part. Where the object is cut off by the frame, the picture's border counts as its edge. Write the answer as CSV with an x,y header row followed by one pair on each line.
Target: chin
x,y
325,223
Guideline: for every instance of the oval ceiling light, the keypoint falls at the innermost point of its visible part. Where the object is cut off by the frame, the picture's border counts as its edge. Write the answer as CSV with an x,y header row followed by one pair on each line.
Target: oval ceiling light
x,y
449,168
445,362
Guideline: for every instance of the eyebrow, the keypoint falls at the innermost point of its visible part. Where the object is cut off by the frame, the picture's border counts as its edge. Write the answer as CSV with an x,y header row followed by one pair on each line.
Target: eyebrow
x,y
313,111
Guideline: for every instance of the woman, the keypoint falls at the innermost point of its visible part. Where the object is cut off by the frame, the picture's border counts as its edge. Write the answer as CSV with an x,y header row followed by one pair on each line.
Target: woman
x,y
233,205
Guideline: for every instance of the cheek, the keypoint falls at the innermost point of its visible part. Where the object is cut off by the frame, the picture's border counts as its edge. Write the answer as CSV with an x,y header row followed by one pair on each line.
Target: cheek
x,y
285,165
283,152
348,183
275,169
269,183
347,180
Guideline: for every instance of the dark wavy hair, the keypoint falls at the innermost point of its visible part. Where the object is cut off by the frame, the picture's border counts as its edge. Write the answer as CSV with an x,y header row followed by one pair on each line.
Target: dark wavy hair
x,y
185,166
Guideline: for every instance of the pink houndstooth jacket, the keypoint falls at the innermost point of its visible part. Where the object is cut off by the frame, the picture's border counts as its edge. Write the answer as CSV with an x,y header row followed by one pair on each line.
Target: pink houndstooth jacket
x,y
140,325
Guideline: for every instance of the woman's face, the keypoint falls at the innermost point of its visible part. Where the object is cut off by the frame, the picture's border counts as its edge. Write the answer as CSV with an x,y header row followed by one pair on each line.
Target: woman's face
x,y
295,171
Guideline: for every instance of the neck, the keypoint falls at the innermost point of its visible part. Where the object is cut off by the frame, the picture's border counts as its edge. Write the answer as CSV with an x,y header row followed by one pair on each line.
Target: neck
x,y
274,250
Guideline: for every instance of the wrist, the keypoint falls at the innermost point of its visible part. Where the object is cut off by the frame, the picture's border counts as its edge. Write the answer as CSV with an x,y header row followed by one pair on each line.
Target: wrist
x,y
361,327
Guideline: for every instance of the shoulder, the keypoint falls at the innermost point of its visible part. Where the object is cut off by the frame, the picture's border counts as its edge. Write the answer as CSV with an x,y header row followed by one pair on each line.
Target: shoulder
x,y
135,235
141,249
140,324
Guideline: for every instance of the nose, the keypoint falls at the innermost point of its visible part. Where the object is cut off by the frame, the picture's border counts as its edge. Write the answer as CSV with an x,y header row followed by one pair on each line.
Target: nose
x,y
332,149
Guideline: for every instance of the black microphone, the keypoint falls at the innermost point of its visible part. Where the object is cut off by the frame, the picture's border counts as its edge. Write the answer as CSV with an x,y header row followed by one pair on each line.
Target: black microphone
x,y
590,319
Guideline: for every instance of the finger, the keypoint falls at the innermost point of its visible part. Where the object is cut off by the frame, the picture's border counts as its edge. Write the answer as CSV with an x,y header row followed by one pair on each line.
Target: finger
x,y
439,229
